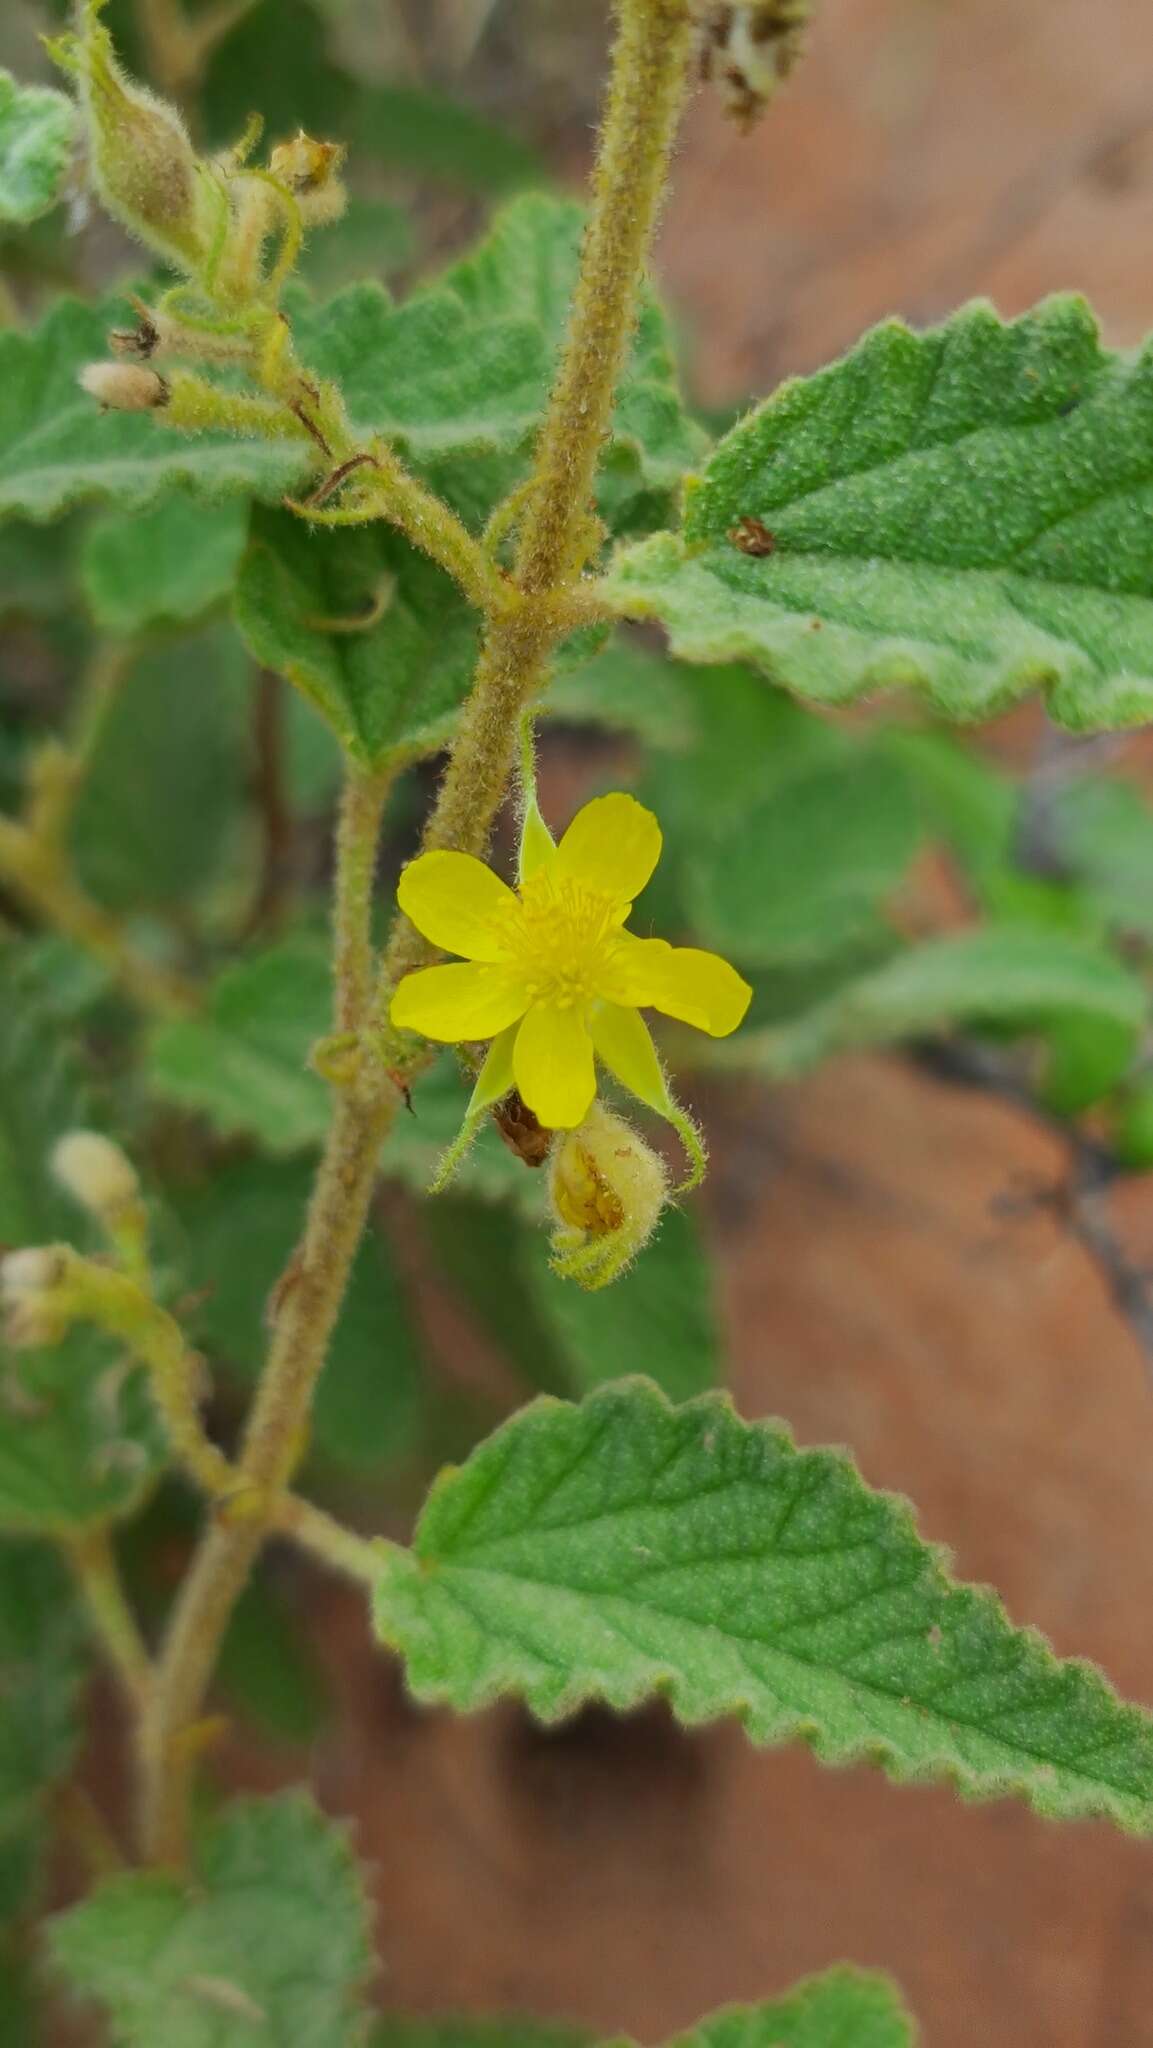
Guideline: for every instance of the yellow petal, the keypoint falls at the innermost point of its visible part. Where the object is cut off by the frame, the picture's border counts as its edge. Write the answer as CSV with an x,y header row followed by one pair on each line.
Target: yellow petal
x,y
553,1064
495,1079
701,989
458,903
633,972
623,1041
612,846
463,1001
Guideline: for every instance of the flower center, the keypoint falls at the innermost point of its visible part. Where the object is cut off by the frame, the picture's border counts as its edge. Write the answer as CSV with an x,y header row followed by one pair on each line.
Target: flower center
x,y
562,935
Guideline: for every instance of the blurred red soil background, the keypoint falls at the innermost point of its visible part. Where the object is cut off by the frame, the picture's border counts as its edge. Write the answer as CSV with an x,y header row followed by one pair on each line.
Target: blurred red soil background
x,y
879,1289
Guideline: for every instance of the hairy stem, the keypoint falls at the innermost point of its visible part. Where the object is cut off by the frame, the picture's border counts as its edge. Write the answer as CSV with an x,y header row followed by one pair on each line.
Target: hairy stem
x,y
650,67
361,808
94,1566
558,530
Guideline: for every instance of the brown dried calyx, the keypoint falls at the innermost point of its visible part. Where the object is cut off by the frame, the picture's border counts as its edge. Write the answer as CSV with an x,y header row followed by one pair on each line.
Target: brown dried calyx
x,y
749,48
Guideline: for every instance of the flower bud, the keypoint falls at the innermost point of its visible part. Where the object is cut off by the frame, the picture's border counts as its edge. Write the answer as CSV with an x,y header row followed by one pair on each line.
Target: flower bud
x,y
124,387
607,1189
95,1172
311,172
28,1280
143,164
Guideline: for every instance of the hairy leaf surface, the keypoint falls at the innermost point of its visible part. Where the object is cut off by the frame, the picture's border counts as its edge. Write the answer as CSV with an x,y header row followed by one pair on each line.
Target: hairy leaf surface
x,y
968,511
164,567
371,631
267,1949
57,448
626,1549
37,132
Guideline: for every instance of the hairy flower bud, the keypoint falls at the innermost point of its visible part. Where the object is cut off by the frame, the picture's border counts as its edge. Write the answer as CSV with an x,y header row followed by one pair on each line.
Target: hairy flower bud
x,y
607,1189
124,387
95,1172
32,1316
311,172
143,164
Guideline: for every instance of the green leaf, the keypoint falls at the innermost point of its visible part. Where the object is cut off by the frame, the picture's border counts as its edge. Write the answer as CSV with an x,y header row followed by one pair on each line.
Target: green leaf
x,y
371,631
57,448
164,567
465,366
963,800
967,511
1101,833
661,1312
269,1949
154,819
626,1549
439,138
241,1228
803,873
1008,975
79,1442
241,1062
372,238
41,1668
37,132
18,2016
843,2008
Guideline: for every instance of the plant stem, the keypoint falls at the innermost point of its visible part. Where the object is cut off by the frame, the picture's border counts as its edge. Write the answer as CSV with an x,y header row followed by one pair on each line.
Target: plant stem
x,y
650,67
39,875
558,531
93,1562
361,807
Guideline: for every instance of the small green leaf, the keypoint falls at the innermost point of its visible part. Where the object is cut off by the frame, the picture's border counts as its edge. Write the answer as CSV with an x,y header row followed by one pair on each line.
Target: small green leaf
x,y
268,1949
242,1062
998,975
154,819
371,631
57,448
840,2009
241,1228
660,1314
968,511
626,1549
164,567
79,1442
37,133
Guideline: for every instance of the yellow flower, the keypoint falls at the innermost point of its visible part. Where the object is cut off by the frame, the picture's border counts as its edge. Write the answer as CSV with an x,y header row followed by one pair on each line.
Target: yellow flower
x,y
549,973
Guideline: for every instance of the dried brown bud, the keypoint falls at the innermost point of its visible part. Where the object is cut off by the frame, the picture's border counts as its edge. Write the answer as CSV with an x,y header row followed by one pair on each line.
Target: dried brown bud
x,y
749,48
311,172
